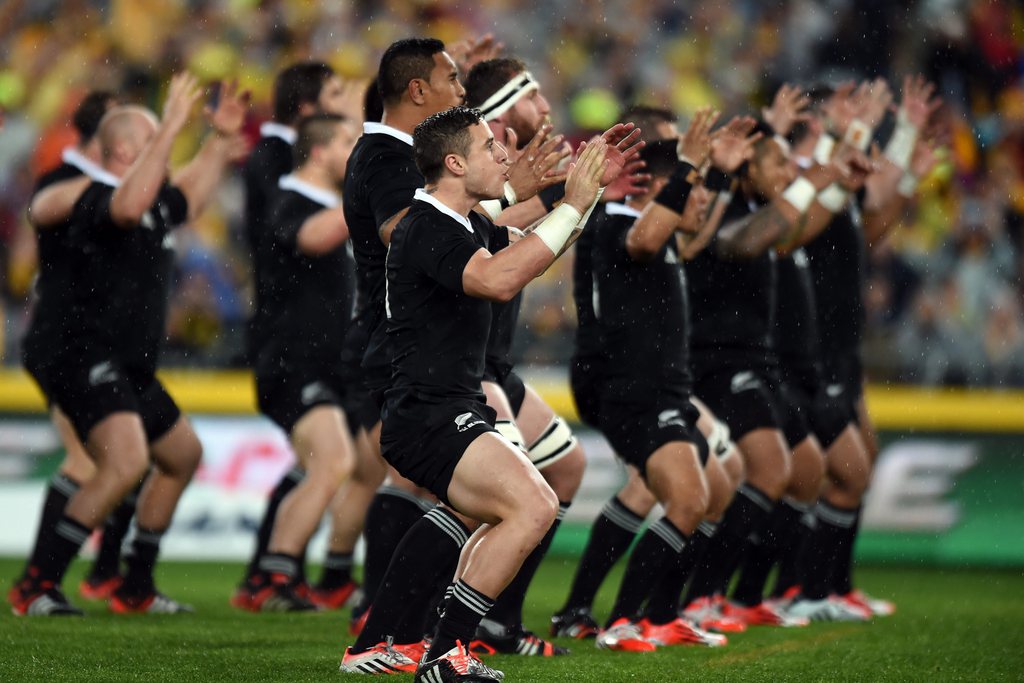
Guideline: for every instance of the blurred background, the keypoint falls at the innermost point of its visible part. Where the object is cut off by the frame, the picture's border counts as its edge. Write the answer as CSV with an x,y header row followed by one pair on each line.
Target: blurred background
x,y
944,294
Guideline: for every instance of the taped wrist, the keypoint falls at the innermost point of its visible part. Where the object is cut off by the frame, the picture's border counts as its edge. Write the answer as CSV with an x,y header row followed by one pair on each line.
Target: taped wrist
x,y
494,207
590,210
908,185
558,226
833,198
675,193
823,149
858,135
901,144
800,193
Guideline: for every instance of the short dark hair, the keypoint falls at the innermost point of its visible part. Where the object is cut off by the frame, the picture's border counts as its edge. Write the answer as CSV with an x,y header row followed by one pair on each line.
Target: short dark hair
x,y
661,157
373,108
89,113
647,119
403,61
488,77
444,133
297,85
314,131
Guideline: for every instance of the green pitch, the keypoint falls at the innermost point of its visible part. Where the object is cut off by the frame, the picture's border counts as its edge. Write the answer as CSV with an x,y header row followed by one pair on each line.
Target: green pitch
x,y
951,626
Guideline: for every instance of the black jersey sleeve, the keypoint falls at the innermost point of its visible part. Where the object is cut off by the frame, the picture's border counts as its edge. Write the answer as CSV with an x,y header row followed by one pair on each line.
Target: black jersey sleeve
x,y
177,205
441,249
391,185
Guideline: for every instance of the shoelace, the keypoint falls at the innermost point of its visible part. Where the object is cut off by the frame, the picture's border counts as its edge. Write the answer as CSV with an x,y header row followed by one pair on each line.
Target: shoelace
x,y
392,653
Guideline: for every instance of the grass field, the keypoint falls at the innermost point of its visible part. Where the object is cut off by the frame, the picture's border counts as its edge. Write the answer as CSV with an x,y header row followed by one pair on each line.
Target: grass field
x,y
951,626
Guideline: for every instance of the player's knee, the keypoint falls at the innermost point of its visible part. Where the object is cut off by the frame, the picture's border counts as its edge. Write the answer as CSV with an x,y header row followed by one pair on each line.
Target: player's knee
x,y
538,510
127,468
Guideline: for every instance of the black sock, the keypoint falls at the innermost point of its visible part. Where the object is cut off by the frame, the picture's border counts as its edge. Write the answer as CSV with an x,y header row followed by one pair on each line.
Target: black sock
x,y
141,560
610,538
792,561
746,515
508,608
280,567
108,559
462,614
663,605
288,482
842,574
58,493
337,570
765,549
651,559
52,560
391,514
425,558
833,523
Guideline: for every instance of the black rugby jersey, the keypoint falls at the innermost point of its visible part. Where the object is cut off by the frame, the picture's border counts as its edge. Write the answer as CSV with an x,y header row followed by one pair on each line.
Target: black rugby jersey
x,y
438,332
642,315
270,159
308,302
732,302
380,180
837,258
121,296
587,341
796,329
54,284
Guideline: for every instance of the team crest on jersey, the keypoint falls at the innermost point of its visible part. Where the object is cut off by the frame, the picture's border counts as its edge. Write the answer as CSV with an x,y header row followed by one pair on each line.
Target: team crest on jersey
x,y
667,418
315,391
744,381
102,373
834,390
467,421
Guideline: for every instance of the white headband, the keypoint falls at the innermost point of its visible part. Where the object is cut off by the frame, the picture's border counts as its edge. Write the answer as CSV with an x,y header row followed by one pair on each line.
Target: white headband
x,y
506,97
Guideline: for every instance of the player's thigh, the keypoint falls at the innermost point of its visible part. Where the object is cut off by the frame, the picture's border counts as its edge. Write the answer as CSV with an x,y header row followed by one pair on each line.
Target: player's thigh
x,y
497,400
808,470
117,444
322,443
675,475
868,433
766,458
494,481
178,451
847,462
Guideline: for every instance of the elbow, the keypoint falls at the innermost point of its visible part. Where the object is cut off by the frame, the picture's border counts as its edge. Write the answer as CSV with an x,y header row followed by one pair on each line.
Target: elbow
x,y
641,251
503,295
125,214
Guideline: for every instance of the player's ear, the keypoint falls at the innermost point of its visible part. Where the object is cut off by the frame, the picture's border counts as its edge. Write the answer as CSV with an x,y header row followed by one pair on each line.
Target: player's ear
x,y
306,109
455,164
416,90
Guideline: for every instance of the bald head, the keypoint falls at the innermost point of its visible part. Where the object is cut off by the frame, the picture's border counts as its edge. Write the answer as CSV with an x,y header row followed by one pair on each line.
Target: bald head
x,y
124,131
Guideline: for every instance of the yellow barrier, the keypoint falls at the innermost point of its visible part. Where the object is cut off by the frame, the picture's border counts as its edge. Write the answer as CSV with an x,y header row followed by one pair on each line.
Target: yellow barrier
x,y
892,407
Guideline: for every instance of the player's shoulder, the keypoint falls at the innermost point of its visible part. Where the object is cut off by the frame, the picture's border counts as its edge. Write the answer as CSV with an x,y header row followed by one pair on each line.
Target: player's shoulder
x,y
59,174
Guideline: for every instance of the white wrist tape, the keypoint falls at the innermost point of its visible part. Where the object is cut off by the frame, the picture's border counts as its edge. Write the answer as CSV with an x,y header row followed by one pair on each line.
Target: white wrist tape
x,y
586,216
800,194
823,149
901,144
858,135
510,194
833,198
908,185
494,207
558,226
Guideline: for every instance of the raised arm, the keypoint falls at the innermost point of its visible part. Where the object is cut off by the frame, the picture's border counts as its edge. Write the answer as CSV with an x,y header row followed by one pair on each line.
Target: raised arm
x,y
500,276
199,179
141,184
322,232
53,205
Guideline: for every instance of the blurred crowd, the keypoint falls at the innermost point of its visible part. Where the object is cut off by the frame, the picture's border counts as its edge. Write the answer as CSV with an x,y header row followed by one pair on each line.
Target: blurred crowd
x,y
944,293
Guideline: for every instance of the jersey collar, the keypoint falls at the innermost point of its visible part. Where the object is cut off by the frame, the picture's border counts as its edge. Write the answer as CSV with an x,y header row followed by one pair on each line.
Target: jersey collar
x,y
423,196
73,157
325,198
273,129
617,209
372,128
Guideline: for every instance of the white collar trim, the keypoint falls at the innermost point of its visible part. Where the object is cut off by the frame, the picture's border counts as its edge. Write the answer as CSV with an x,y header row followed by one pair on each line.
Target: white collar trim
x,y
325,198
618,209
273,129
73,157
373,128
423,196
